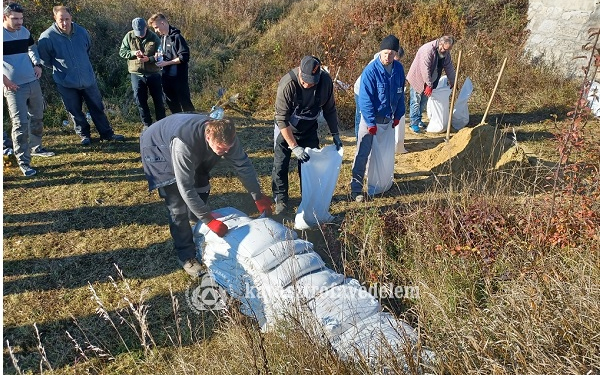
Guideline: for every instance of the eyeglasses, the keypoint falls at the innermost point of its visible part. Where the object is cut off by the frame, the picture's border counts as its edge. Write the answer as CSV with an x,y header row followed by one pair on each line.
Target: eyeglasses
x,y
13,7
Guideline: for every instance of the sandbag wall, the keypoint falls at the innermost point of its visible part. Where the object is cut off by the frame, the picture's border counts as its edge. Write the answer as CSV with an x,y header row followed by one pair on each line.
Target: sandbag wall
x,y
276,276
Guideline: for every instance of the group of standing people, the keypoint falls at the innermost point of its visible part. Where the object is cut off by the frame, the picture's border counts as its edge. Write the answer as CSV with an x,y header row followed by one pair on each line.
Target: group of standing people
x,y
158,66
179,151
157,61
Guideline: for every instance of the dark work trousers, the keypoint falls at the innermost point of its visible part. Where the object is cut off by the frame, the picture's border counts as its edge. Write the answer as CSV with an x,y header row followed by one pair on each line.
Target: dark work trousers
x,y
179,221
73,100
282,155
177,92
142,84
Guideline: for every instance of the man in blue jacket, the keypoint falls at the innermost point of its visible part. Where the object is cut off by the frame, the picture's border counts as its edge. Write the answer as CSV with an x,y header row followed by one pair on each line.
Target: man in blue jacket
x,y
381,101
65,47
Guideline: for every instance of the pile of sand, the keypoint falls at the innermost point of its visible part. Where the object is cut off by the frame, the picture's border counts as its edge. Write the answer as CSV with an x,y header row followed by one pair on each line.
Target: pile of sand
x,y
471,149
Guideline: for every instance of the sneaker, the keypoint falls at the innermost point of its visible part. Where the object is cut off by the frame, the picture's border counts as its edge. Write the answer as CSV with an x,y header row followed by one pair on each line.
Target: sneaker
x,y
280,208
27,170
422,126
86,141
193,267
357,197
415,128
41,151
115,137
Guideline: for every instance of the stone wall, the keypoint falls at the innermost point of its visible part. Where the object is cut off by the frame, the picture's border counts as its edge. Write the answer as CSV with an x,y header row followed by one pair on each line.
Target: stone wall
x,y
559,29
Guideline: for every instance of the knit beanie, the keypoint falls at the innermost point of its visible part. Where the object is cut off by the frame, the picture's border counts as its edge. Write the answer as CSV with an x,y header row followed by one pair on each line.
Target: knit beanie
x,y
390,42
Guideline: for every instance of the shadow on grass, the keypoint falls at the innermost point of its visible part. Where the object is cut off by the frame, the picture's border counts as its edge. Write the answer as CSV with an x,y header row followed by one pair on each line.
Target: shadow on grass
x,y
78,219
45,274
94,331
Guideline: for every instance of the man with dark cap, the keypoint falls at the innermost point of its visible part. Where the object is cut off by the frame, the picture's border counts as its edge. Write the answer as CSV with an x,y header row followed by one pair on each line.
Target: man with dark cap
x,y
139,47
381,101
424,75
301,95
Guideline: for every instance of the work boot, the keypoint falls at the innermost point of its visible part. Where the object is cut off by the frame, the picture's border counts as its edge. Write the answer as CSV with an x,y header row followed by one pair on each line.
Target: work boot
x,y
193,267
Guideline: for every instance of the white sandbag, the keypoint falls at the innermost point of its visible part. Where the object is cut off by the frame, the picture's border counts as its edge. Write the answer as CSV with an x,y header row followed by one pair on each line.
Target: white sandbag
x,y
257,235
311,285
319,177
328,305
399,132
380,169
460,114
275,254
343,306
379,334
292,269
438,107
594,98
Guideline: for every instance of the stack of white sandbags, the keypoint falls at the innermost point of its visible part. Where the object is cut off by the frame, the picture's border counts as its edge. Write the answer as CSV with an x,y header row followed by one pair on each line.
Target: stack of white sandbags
x,y
277,276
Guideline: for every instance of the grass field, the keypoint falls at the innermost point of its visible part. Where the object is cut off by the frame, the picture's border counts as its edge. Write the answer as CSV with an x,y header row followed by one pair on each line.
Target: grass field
x,y
88,260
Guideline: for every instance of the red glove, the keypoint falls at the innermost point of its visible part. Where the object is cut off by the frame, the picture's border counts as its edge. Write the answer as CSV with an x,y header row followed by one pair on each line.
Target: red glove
x,y
372,129
427,91
264,205
218,227
395,123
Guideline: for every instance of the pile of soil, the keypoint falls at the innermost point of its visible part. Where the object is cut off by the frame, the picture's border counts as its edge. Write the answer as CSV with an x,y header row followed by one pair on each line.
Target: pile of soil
x,y
470,149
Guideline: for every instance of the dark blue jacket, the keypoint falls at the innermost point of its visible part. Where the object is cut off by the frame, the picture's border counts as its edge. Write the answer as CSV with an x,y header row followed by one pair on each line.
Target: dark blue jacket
x,y
381,94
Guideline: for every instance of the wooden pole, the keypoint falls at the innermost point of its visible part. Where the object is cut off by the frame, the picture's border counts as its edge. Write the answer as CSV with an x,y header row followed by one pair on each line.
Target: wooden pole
x,y
453,95
493,92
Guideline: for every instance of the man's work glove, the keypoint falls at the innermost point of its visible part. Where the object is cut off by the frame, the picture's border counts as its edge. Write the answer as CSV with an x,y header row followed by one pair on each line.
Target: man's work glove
x,y
218,227
427,91
337,141
300,154
372,129
395,123
263,204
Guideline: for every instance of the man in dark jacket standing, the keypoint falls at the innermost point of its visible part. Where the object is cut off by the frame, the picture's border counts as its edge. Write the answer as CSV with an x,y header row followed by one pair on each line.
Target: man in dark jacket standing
x,y
178,153
176,55
139,47
302,93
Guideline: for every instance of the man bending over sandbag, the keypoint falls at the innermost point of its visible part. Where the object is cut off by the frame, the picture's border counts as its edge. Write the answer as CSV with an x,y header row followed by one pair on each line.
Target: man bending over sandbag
x,y
178,153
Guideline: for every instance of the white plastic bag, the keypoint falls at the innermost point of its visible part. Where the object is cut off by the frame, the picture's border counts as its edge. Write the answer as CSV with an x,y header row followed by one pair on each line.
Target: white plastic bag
x,y
438,107
399,133
594,98
380,169
319,177
460,114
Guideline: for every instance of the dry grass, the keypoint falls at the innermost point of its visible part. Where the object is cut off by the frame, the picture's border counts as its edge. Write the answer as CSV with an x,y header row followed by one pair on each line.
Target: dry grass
x,y
495,295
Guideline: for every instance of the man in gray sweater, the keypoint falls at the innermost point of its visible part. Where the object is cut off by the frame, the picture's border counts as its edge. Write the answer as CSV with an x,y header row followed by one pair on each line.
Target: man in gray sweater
x,y
178,153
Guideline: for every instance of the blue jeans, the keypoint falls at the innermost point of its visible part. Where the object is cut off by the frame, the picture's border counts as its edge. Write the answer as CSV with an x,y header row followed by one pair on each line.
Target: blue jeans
x,y
179,221
142,84
26,109
73,100
359,167
418,104
356,117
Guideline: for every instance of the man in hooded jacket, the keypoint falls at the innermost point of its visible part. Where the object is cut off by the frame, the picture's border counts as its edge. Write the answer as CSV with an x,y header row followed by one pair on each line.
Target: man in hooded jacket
x,y
174,64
